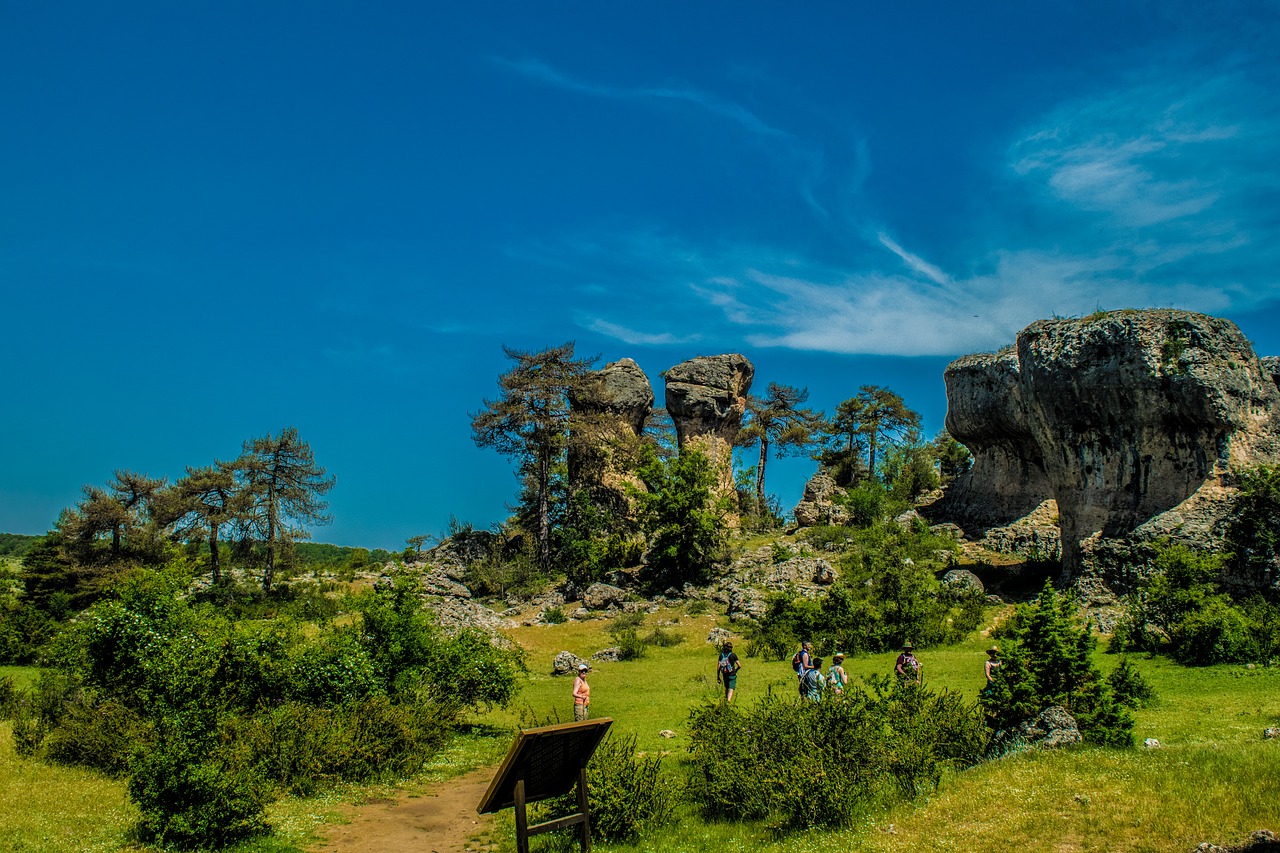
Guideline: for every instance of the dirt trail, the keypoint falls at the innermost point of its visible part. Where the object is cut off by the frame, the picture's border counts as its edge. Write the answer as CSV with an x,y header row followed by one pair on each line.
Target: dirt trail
x,y
442,819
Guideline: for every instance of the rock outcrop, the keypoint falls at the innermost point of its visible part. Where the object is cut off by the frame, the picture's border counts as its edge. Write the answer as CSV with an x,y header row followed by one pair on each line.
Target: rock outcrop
x,y
616,404
818,506
1130,421
706,398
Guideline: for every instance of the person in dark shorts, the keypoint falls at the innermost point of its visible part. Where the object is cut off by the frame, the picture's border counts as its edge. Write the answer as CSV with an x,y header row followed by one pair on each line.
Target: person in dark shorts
x,y
727,670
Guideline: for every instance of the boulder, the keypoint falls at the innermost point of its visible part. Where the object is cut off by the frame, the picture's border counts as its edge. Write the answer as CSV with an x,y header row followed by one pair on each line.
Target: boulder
x,y
1052,728
817,504
963,580
718,636
566,663
600,596
613,653
706,398
1271,733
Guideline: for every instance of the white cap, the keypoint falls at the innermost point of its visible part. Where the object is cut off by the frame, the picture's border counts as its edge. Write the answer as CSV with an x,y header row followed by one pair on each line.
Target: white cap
x,y
582,667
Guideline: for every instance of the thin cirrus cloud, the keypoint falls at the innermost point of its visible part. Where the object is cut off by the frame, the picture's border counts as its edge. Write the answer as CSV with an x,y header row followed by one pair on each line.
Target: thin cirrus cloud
x,y
1157,193
543,73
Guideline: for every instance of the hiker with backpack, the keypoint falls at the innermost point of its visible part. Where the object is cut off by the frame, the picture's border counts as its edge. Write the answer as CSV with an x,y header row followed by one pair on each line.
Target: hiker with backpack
x,y
907,666
802,660
812,682
837,678
727,671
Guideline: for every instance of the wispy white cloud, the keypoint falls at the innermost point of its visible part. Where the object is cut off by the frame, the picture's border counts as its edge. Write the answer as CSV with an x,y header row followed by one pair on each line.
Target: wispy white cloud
x,y
1161,191
541,72
915,262
631,336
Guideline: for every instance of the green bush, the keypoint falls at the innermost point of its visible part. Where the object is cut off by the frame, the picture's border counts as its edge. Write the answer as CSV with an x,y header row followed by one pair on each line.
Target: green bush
x,y
24,629
697,607
554,616
628,792
630,645
102,735
799,765
663,638
1182,609
888,592
866,502
29,728
333,670
1047,660
684,524
190,795
1128,686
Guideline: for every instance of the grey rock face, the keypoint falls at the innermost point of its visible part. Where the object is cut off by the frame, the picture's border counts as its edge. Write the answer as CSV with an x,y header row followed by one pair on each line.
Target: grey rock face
x,y
600,596
1271,364
706,398
1124,420
965,580
1052,728
616,405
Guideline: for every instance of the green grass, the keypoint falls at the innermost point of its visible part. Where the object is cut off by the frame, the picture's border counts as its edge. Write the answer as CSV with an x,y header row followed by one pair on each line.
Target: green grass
x,y
1213,779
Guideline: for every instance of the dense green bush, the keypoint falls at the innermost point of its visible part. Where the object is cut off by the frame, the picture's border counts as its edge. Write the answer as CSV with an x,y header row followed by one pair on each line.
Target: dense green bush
x,y
628,792
1128,685
1046,660
24,629
887,593
1253,536
799,765
190,793
1182,609
333,670
103,735
684,524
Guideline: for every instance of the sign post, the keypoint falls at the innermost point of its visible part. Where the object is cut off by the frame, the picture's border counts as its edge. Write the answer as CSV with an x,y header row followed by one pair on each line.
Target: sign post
x,y
543,763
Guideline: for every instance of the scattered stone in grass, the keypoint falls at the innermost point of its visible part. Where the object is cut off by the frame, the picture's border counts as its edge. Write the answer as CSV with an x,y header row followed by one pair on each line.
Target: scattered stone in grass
x,y
718,635
566,663
1271,733
1081,799
667,733
1151,743
613,653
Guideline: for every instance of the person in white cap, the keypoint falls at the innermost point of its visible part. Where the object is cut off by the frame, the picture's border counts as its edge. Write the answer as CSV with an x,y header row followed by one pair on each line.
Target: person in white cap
x,y
581,694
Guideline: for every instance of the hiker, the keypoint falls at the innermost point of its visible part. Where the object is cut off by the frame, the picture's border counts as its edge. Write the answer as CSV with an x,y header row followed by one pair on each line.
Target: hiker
x,y
907,667
581,694
802,660
837,678
990,668
727,670
812,682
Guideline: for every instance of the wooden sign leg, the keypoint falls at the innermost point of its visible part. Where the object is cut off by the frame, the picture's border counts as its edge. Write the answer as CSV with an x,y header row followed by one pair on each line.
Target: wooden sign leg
x,y
584,807
522,819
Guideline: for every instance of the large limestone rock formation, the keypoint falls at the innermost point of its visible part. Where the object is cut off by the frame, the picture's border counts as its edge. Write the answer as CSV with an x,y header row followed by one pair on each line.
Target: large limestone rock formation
x,y
617,404
706,398
1131,421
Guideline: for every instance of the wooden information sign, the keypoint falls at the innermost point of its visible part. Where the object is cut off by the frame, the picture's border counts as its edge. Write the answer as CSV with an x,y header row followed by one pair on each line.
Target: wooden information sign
x,y
543,763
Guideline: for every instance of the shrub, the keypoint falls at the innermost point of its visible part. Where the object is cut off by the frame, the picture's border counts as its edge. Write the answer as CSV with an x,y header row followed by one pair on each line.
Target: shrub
x,y
1046,661
104,736
829,763
681,519
663,638
554,616
1128,685
630,646
29,729
333,670
627,792
888,592
866,503
190,795
697,607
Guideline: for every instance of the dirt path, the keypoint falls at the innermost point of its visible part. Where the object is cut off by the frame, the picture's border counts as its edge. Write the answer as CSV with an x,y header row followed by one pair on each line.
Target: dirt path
x,y
442,819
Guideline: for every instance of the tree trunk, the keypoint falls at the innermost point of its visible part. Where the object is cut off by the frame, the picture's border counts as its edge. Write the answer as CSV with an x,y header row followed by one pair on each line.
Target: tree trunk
x,y
544,513
213,554
764,457
269,572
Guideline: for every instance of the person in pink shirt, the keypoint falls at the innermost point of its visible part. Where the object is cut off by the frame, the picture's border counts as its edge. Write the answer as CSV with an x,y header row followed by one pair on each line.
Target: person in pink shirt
x,y
581,694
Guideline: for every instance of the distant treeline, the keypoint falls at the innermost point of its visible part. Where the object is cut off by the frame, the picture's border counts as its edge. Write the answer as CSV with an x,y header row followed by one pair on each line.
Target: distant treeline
x,y
324,554
16,544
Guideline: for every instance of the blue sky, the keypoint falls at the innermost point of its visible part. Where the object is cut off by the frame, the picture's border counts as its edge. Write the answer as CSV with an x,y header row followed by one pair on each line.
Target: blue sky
x,y
220,219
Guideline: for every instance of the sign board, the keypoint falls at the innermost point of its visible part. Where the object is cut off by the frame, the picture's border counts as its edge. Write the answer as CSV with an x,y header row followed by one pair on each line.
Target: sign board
x,y
548,760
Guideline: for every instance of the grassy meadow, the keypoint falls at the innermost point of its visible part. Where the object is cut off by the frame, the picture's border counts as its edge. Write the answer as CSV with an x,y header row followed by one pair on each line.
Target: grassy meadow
x,y
1213,778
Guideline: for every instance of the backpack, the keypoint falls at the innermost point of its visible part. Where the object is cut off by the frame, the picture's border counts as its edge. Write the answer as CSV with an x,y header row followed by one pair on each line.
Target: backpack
x,y
726,665
795,660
